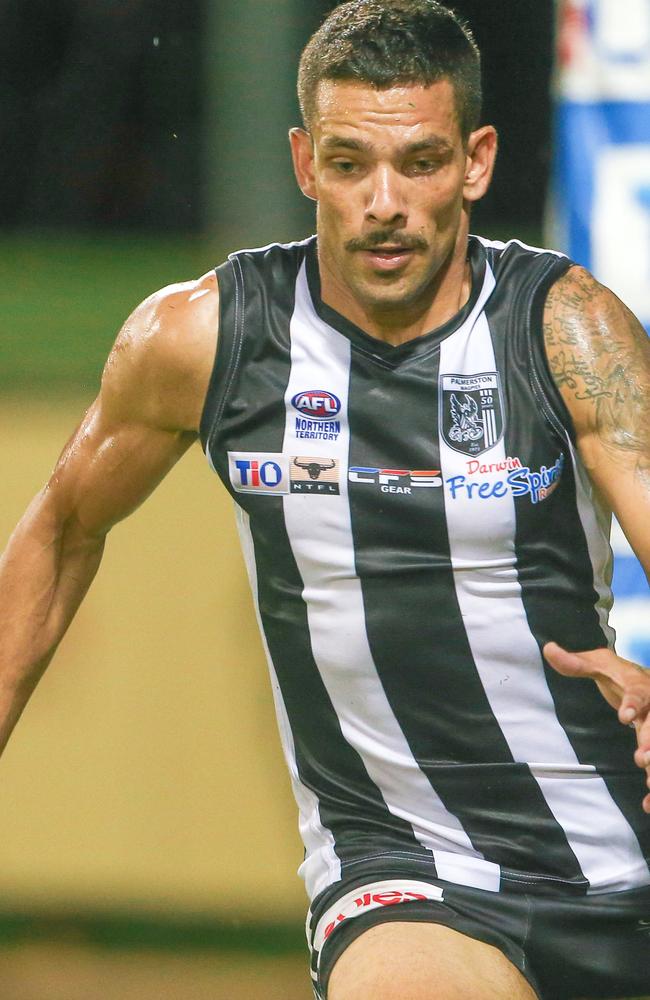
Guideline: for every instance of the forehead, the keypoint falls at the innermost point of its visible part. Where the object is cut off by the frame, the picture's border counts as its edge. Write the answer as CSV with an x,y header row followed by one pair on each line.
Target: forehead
x,y
404,111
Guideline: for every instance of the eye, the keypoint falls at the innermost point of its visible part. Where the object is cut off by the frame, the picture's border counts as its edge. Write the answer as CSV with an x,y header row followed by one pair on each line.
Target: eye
x,y
344,166
423,165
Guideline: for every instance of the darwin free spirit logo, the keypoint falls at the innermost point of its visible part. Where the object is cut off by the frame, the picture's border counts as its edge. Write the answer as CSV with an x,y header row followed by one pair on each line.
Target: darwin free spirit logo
x,y
520,481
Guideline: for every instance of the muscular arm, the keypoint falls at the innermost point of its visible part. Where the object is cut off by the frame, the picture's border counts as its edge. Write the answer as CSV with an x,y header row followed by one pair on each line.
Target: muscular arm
x,y
600,359
144,418
599,356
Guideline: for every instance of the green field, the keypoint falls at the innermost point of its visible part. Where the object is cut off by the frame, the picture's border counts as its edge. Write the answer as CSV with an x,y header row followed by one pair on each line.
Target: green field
x,y
63,299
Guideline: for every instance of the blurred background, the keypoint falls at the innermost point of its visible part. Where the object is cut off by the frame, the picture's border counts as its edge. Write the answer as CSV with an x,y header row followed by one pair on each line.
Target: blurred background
x,y
149,840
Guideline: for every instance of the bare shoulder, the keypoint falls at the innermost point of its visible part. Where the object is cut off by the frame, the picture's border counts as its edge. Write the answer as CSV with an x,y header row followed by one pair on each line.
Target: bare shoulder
x,y
599,357
159,368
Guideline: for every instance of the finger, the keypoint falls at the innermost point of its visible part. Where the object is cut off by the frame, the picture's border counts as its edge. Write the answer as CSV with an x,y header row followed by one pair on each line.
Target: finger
x,y
642,758
568,664
635,707
645,802
642,753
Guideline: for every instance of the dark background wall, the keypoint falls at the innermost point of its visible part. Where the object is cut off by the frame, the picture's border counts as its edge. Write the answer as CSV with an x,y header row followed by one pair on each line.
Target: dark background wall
x,y
107,117
100,113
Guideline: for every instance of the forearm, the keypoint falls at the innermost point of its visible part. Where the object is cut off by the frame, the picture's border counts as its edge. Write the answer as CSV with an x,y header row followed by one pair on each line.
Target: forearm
x,y
46,569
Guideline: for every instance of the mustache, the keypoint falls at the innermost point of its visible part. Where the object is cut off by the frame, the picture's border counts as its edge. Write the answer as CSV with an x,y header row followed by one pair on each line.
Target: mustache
x,y
387,237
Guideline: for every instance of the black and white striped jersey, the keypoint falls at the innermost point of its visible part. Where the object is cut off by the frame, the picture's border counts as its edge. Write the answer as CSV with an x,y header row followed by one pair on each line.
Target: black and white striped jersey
x,y
416,524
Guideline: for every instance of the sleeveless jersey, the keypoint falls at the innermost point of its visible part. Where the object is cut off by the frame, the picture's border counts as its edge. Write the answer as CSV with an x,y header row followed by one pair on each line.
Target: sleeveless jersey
x,y
416,524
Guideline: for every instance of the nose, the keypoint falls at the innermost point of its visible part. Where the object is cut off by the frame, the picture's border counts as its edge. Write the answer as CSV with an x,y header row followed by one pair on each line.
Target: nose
x,y
386,204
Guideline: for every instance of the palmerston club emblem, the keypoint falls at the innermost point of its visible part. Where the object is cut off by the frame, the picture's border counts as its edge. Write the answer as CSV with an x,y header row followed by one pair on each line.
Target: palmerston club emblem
x,y
471,412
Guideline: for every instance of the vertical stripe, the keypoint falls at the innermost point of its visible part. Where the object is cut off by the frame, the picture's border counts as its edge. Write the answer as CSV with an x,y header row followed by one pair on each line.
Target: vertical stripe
x,y
596,527
605,743
323,547
323,865
482,530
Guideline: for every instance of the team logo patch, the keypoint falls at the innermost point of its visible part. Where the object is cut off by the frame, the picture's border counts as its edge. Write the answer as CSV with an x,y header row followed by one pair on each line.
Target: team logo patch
x,y
314,475
274,473
471,412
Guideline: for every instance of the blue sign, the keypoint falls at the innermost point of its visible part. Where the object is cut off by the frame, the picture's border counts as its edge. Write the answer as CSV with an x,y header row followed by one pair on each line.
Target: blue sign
x,y
602,201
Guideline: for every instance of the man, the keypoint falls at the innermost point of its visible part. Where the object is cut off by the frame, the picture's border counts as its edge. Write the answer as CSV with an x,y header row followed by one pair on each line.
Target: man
x,y
424,433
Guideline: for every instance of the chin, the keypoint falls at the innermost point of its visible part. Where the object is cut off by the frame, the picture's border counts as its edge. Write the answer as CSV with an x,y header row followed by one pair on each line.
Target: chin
x,y
394,294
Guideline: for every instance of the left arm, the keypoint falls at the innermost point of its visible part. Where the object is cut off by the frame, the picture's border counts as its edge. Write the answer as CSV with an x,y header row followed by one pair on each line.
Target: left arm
x,y
599,356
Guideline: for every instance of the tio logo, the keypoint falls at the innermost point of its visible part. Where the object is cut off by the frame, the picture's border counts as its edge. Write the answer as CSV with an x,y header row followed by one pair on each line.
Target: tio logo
x,y
252,473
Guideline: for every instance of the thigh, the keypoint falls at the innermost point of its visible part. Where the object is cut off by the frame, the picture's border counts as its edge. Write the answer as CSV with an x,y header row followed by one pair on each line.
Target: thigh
x,y
424,961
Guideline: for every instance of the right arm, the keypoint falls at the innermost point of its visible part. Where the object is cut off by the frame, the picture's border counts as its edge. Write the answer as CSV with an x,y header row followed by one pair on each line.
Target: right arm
x,y
145,417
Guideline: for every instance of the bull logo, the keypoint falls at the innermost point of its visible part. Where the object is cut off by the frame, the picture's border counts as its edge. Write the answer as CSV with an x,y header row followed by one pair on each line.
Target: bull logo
x,y
313,468
315,474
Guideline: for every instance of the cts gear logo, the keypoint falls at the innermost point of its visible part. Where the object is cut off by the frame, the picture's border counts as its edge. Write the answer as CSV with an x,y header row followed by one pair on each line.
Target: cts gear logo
x,y
471,412
317,404
395,480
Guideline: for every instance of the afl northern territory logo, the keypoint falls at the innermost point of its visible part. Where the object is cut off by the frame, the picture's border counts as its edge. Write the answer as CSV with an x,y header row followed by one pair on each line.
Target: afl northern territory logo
x,y
317,404
471,412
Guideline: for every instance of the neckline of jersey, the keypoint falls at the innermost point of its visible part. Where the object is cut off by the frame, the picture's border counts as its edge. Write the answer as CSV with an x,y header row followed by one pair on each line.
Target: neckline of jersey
x,y
380,349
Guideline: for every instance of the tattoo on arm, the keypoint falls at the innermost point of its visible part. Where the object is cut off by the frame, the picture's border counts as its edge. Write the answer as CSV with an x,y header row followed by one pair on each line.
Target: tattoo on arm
x,y
599,356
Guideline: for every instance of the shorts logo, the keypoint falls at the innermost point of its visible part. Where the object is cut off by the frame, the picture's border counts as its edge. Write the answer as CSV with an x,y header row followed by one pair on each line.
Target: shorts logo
x,y
274,473
390,892
471,412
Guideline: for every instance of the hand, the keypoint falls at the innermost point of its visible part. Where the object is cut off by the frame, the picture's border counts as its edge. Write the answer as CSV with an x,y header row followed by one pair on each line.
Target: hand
x,y
623,684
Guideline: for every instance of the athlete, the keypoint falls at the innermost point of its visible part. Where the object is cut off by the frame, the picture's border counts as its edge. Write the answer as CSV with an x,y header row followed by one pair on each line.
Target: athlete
x,y
425,433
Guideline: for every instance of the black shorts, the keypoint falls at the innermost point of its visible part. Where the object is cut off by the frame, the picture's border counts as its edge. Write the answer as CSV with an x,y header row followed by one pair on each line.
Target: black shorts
x,y
566,946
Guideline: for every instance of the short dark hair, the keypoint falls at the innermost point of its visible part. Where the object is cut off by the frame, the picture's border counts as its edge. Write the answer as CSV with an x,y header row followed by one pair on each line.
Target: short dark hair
x,y
387,42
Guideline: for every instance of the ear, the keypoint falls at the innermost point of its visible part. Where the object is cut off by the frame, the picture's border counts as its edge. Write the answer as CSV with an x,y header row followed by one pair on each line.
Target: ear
x,y
480,156
302,152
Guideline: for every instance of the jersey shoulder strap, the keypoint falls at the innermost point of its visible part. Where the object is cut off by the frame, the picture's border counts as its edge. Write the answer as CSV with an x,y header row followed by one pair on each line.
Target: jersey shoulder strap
x,y
524,276
256,295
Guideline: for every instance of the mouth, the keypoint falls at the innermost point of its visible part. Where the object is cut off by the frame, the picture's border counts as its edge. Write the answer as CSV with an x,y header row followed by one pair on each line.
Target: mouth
x,y
387,258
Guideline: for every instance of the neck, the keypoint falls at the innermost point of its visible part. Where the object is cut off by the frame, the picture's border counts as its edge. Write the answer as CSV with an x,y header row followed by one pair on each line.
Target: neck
x,y
398,323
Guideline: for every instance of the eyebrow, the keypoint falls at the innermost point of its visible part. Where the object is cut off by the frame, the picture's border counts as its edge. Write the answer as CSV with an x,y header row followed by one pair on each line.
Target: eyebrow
x,y
432,143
